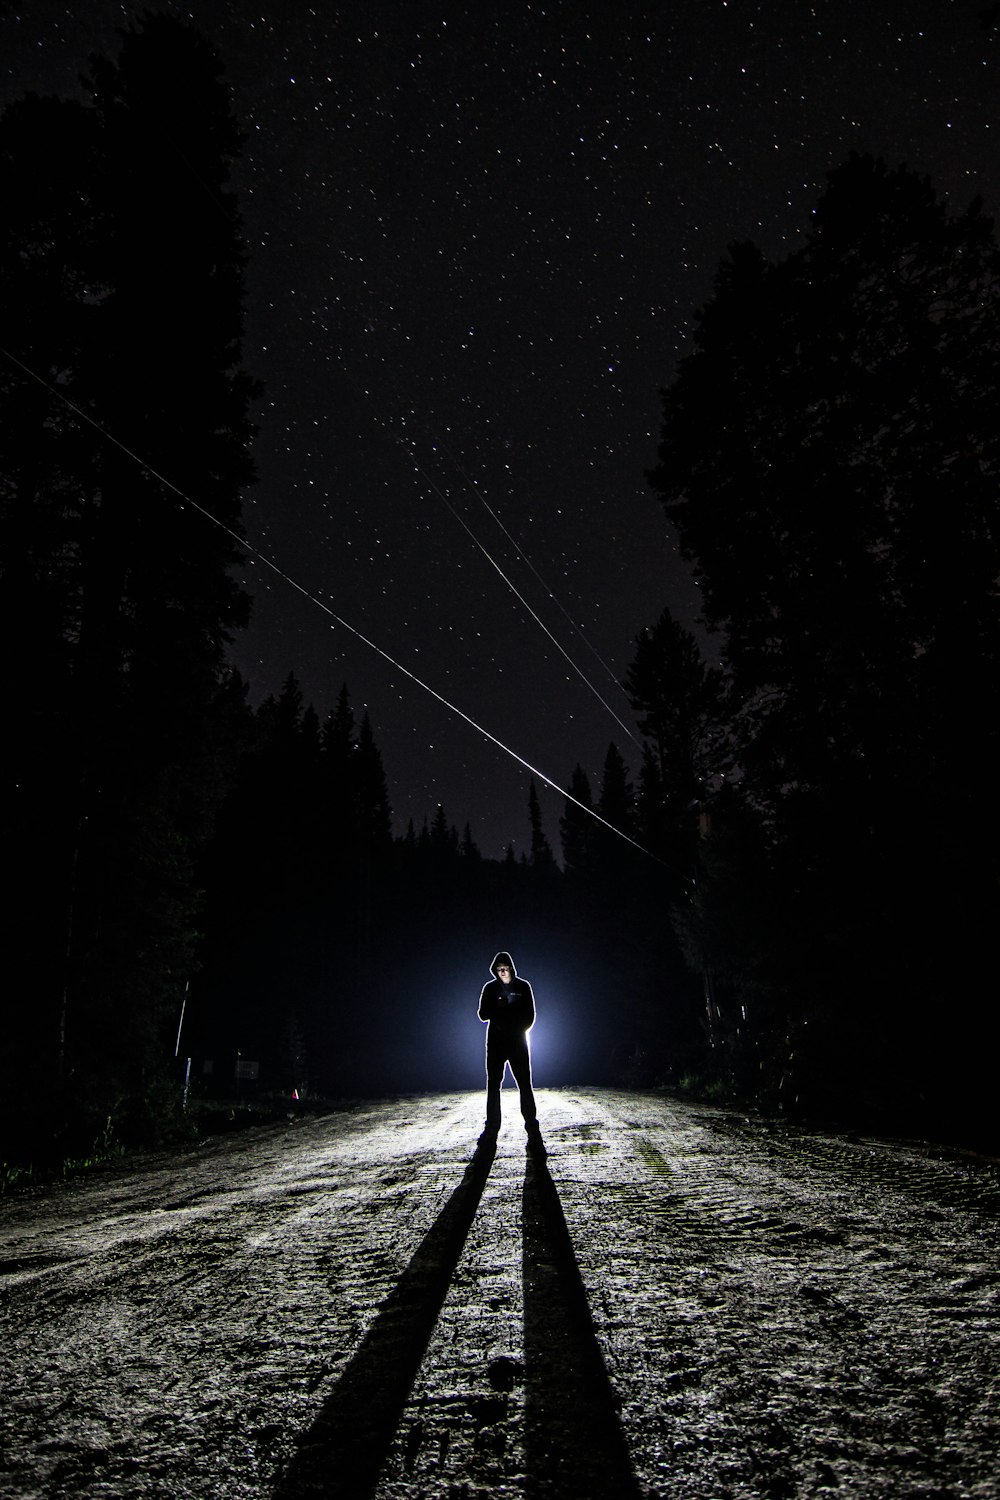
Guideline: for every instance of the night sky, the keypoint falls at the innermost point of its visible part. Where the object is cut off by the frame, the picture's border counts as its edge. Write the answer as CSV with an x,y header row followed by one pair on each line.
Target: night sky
x,y
477,238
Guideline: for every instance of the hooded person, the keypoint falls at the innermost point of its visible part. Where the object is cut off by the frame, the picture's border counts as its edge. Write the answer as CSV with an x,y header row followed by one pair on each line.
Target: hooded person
x,y
507,1005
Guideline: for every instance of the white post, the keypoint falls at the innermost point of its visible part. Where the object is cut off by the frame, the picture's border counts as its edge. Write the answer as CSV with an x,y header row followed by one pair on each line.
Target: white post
x,y
180,1023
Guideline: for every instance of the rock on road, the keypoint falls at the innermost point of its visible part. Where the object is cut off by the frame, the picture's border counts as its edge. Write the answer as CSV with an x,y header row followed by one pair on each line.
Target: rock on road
x,y
680,1301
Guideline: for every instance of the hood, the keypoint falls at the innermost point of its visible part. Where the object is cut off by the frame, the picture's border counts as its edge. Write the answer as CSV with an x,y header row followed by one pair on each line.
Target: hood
x,y
503,958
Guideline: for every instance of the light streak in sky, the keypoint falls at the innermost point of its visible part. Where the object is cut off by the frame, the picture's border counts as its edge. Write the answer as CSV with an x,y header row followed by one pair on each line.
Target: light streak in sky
x,y
513,588
301,589
477,491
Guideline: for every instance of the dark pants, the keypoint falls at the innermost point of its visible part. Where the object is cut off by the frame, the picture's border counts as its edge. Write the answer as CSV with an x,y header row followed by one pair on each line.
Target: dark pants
x,y
516,1053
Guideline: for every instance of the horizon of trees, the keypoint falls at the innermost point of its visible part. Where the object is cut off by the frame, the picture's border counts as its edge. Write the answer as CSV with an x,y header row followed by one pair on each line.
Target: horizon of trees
x,y
812,930
400,929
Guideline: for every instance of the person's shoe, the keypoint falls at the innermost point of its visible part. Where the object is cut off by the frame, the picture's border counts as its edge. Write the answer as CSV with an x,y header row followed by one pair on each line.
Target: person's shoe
x,y
488,1134
535,1143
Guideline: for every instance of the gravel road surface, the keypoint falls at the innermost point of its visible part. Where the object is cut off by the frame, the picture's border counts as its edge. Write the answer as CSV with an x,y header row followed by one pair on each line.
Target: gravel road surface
x,y
677,1301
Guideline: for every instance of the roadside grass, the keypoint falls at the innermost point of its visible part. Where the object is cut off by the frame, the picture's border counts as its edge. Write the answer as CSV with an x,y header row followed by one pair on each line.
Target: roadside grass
x,y
179,1129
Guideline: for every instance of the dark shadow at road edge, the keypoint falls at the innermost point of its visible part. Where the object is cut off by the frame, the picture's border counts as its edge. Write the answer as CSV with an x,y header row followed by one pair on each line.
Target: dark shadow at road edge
x,y
344,1449
574,1445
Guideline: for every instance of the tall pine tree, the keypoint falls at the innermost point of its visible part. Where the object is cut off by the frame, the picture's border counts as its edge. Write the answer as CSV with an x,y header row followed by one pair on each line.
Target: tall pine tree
x,y
122,289
830,457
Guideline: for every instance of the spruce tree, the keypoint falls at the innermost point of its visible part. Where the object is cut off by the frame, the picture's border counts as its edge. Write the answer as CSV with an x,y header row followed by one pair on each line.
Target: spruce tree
x,y
577,826
542,859
678,699
122,272
830,457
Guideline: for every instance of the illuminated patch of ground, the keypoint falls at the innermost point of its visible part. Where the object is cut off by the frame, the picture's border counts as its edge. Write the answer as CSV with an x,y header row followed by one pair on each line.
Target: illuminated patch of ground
x,y
675,1301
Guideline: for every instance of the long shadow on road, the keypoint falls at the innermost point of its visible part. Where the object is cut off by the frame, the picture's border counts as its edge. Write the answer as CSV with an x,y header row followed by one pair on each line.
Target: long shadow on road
x,y
344,1449
574,1445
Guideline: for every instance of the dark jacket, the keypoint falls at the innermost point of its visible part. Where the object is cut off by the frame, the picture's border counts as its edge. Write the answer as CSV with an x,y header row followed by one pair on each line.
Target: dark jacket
x,y
509,1008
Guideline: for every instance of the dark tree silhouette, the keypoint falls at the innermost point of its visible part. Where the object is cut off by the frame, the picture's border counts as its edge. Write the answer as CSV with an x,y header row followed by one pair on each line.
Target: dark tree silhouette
x,y
371,790
122,289
678,700
542,858
298,878
576,826
617,800
615,868
829,456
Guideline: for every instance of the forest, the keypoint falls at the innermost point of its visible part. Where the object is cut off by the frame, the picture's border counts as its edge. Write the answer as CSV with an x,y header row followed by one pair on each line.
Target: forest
x,y
808,926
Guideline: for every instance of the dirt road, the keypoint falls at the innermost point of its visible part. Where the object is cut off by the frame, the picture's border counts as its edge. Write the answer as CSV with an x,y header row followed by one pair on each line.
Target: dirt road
x,y
677,1302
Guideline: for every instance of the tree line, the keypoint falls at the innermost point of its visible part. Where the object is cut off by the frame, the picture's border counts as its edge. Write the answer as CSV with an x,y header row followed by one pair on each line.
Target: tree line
x,y
121,291
810,922
829,457
352,960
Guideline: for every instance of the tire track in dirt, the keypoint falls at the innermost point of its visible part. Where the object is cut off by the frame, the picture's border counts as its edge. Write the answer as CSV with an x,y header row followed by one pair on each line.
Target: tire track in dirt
x,y
714,1305
462,1427
513,1396
197,1350
796,1336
